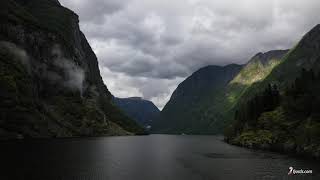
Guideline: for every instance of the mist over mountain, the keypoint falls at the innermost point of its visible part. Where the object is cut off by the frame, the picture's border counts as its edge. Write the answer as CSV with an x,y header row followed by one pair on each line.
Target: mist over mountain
x,y
49,76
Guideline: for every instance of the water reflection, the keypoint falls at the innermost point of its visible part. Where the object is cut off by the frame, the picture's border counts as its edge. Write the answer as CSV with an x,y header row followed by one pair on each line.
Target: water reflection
x,y
144,157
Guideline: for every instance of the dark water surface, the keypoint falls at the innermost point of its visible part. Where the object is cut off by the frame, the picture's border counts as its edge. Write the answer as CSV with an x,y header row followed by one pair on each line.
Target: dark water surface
x,y
158,157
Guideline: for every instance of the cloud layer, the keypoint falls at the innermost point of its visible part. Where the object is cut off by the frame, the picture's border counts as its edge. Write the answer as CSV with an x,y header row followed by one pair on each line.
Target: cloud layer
x,y
145,48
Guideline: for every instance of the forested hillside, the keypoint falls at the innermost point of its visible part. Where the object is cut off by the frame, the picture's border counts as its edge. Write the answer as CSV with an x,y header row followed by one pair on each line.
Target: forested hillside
x,y
283,111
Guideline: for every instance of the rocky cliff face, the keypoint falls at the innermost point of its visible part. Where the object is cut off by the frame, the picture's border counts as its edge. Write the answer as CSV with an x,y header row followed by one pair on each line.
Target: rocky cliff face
x,y
140,110
49,77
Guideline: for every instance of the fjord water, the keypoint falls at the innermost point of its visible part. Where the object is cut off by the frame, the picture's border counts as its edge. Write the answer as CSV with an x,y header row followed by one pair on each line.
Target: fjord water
x,y
154,157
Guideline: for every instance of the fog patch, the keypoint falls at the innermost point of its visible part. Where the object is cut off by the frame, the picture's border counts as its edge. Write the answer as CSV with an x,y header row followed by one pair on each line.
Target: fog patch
x,y
74,75
18,53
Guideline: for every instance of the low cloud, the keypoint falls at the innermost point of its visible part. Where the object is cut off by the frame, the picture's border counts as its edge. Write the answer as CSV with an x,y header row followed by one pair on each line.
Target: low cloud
x,y
97,11
20,54
74,75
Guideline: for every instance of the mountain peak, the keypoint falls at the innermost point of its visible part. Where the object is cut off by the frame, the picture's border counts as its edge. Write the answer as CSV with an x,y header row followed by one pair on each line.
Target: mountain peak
x,y
311,39
264,58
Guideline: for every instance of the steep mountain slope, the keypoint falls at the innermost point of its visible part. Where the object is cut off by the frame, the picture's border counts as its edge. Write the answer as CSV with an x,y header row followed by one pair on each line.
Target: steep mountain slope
x,y
184,113
140,110
257,68
49,78
282,111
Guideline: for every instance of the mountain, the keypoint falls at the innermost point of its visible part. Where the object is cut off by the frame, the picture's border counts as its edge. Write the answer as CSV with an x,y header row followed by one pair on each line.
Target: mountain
x,y
282,111
256,70
50,83
140,110
205,104
185,111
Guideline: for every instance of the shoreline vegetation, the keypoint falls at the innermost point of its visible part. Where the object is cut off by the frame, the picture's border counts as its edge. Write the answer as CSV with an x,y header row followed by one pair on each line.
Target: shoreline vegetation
x,y
282,112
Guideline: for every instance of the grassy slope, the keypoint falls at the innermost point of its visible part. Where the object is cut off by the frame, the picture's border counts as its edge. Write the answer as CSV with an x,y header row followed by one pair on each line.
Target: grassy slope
x,y
219,106
303,55
253,72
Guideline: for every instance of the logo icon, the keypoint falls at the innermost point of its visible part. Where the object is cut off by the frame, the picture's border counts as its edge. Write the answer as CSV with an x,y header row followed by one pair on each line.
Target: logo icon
x,y
299,171
290,170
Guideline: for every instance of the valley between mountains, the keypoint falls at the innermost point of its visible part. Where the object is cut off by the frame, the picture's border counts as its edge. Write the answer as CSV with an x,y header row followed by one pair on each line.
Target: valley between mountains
x,y
50,86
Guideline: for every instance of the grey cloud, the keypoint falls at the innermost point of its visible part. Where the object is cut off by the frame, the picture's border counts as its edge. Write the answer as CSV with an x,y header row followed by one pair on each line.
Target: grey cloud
x,y
94,11
164,41
122,85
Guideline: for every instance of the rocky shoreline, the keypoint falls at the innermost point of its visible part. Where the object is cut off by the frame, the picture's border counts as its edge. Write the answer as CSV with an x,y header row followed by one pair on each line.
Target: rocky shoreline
x,y
286,147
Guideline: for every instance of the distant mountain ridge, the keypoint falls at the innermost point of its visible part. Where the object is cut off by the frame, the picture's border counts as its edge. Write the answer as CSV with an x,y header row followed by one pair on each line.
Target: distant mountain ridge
x,y
139,109
264,58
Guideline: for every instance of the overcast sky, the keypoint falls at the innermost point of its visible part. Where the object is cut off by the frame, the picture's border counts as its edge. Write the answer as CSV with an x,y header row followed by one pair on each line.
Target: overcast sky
x,y
147,47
